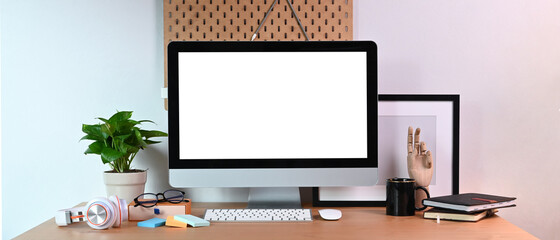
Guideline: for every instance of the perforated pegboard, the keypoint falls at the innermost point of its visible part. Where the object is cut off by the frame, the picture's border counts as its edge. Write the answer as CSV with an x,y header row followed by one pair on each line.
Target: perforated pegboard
x,y
237,20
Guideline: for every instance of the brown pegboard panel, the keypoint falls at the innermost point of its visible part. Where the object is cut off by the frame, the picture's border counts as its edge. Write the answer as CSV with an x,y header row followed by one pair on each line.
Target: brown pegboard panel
x,y
237,20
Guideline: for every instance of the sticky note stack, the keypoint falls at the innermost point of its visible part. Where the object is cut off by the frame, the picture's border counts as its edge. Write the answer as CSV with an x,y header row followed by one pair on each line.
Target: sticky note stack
x,y
152,223
180,221
171,222
192,220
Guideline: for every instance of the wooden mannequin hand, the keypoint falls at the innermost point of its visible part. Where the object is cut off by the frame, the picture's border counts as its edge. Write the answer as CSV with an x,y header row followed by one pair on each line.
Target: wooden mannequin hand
x,y
420,164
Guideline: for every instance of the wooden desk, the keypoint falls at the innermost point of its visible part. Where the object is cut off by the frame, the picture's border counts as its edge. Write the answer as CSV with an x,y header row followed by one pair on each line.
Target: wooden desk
x,y
356,223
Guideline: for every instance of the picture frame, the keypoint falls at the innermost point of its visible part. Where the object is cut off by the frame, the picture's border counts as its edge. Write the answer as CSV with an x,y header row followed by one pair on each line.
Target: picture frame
x,y
438,118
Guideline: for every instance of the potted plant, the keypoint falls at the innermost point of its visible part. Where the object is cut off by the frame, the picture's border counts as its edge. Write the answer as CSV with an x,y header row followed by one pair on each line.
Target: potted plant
x,y
117,140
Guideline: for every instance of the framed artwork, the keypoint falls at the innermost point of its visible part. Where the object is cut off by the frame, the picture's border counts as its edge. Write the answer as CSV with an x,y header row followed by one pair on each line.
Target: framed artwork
x,y
438,118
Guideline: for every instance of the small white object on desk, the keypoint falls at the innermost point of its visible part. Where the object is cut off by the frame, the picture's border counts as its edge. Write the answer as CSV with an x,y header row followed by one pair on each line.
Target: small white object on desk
x,y
330,214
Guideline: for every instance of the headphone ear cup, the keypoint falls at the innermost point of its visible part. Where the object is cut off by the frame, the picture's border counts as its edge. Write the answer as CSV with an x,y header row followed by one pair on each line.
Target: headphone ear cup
x,y
124,210
100,213
121,210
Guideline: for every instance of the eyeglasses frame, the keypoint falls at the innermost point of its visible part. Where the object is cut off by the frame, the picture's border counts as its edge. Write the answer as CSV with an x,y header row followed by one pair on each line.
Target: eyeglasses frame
x,y
164,199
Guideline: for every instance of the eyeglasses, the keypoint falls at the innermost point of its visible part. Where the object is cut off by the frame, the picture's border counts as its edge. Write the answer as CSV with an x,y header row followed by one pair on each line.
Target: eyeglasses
x,y
148,200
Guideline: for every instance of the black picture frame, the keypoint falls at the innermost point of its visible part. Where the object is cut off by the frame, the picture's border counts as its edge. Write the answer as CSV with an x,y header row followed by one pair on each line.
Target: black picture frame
x,y
455,102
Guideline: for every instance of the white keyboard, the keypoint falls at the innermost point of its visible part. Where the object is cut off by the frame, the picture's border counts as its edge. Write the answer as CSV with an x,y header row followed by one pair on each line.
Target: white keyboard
x,y
258,215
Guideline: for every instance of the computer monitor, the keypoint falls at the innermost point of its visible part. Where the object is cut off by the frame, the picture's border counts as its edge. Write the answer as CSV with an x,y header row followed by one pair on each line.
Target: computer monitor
x,y
271,115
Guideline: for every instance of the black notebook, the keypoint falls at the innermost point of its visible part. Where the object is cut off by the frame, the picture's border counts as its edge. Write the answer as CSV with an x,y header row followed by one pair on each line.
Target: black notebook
x,y
470,202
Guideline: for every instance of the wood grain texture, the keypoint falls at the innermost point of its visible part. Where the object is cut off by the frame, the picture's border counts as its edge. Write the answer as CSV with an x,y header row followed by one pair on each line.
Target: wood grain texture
x,y
237,20
356,223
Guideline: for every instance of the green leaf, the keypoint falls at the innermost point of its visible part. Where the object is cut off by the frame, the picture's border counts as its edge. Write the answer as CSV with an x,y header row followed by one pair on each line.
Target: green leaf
x,y
152,133
93,132
125,127
140,142
107,130
103,119
129,148
149,142
120,116
89,137
122,137
104,160
95,148
143,121
110,155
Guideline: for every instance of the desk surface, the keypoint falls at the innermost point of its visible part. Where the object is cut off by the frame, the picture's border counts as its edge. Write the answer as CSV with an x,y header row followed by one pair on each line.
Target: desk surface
x,y
356,223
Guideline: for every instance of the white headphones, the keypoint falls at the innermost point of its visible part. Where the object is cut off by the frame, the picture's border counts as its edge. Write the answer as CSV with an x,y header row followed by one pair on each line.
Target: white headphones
x,y
100,213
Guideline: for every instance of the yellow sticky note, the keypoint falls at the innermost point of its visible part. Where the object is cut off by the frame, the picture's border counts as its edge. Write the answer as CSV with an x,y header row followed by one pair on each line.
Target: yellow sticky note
x,y
171,222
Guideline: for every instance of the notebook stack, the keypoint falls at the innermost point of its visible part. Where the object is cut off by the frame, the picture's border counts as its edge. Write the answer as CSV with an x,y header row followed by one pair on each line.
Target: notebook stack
x,y
465,207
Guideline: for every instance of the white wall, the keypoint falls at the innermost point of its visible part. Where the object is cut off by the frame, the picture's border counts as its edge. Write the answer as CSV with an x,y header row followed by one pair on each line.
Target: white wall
x,y
503,57
63,64
0,134
66,62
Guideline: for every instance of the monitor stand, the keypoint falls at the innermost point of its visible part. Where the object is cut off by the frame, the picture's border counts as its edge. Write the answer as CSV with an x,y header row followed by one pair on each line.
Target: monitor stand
x,y
274,198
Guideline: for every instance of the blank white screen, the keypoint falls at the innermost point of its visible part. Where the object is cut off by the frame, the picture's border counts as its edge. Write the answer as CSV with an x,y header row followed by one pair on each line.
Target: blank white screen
x,y
246,105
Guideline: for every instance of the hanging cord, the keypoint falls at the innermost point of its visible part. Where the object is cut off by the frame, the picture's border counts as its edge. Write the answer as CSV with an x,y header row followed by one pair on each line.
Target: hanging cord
x,y
264,19
299,22
270,10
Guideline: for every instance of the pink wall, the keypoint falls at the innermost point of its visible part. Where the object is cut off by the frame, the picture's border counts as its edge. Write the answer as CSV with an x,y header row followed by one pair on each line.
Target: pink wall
x,y
503,58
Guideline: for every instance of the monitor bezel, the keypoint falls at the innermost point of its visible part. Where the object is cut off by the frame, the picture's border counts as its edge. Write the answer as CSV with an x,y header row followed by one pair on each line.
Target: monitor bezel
x,y
174,48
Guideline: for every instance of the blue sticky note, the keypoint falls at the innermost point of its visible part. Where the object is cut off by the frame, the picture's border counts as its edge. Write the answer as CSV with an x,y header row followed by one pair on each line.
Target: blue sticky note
x,y
192,220
152,223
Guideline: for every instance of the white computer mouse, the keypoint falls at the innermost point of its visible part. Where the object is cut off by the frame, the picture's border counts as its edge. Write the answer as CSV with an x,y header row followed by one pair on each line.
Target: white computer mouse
x,y
330,214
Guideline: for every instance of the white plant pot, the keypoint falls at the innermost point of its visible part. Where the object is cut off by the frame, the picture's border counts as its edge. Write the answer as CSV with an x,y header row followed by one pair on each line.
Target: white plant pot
x,y
125,185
